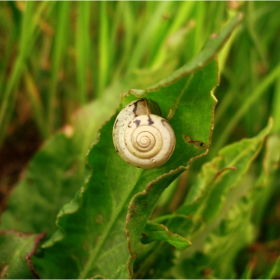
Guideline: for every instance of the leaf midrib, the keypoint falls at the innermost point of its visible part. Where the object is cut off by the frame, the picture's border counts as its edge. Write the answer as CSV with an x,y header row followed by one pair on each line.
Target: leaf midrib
x,y
95,252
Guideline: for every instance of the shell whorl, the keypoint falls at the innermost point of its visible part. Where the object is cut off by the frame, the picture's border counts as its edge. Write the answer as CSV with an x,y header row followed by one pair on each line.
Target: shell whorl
x,y
143,139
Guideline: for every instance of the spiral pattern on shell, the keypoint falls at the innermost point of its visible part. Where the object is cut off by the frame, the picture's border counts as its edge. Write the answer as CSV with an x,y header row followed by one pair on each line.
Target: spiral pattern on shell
x,y
145,140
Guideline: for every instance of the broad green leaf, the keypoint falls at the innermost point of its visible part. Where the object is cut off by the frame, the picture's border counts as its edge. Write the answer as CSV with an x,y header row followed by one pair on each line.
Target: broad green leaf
x,y
232,228
184,111
95,225
208,194
37,198
218,241
156,232
56,172
63,157
15,255
100,221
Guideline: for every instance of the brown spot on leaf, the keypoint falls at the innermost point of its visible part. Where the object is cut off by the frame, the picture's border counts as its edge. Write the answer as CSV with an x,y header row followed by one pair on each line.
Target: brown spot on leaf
x,y
86,245
99,219
197,143
144,235
72,170
207,271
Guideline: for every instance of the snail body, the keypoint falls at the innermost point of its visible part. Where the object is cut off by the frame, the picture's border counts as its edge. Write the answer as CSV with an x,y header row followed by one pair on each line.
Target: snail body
x,y
143,139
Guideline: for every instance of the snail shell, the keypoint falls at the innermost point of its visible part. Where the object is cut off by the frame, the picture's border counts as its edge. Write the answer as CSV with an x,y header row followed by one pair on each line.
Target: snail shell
x,y
141,138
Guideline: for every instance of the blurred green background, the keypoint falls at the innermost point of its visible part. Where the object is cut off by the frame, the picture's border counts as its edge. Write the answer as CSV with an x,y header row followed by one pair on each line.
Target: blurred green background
x,y
56,57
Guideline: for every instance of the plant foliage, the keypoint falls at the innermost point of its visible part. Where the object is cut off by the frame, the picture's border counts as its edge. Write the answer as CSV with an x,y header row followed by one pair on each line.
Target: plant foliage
x,y
110,219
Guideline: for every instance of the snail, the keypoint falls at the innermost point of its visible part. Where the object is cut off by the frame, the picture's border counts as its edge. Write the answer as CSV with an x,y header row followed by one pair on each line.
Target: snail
x,y
143,139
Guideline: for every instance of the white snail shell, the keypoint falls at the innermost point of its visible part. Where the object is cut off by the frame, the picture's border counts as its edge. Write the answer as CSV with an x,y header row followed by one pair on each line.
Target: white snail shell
x,y
143,139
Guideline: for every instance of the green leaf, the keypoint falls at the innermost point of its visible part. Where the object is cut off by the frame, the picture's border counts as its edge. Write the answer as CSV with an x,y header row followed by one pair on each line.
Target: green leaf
x,y
219,198
63,157
216,256
147,266
184,111
262,192
56,172
94,227
38,197
267,177
15,255
208,194
155,232
216,243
